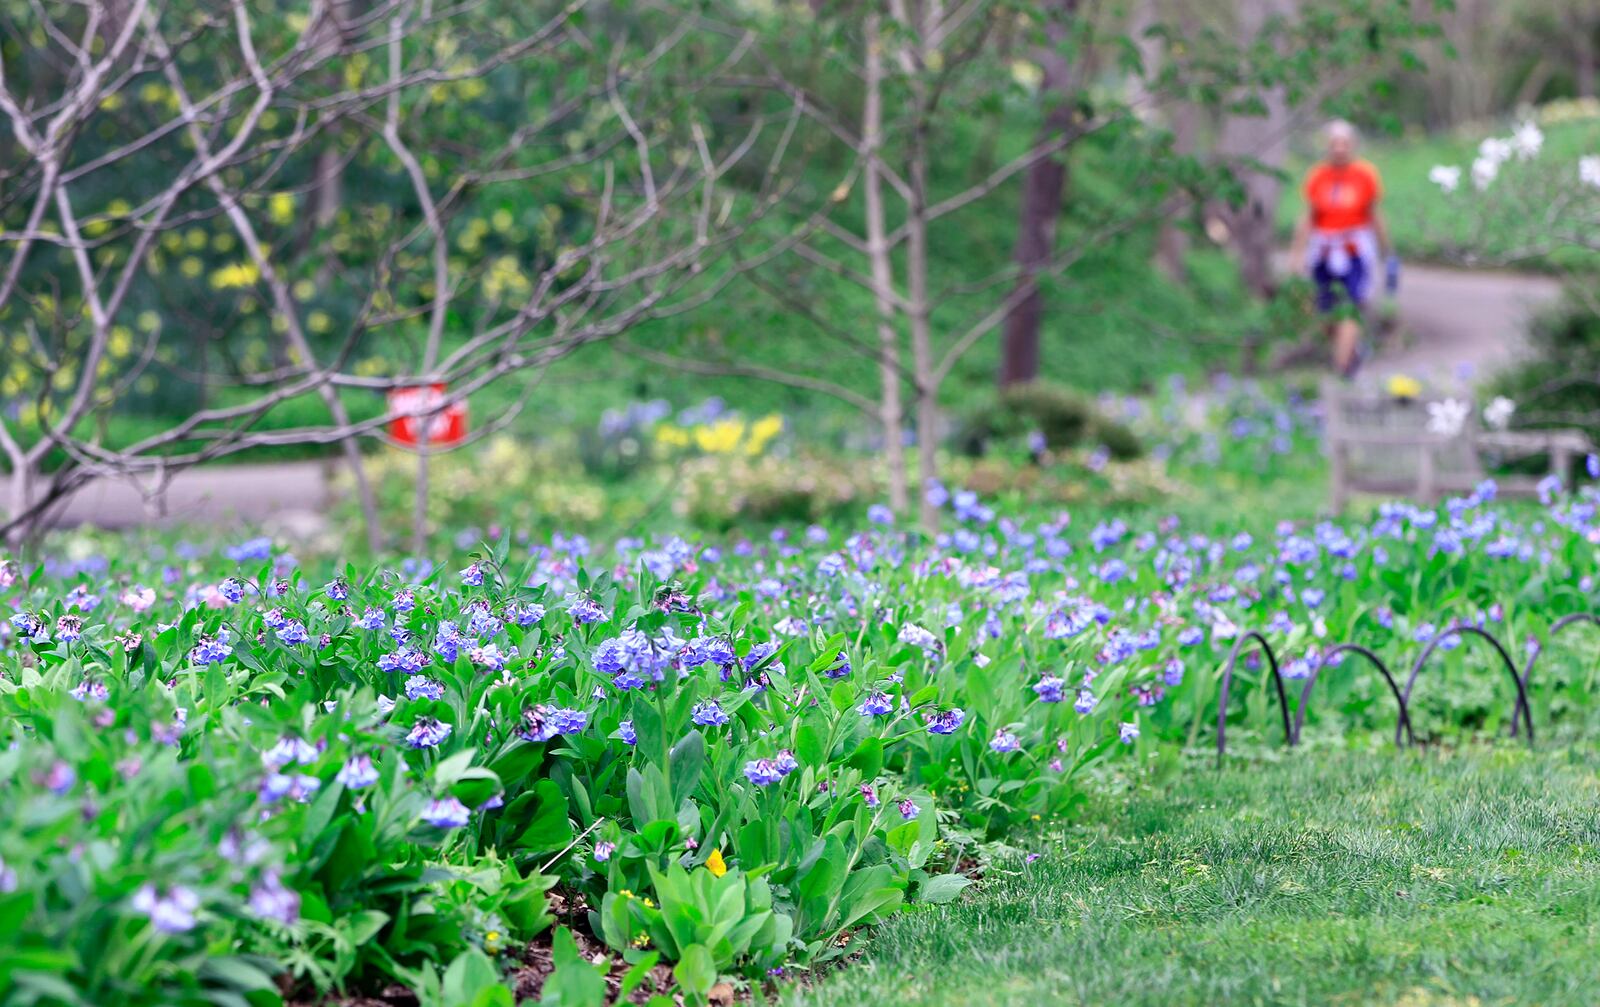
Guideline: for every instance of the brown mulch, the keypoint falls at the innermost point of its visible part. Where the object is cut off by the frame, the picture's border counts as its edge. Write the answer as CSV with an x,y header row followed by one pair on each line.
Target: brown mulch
x,y
534,964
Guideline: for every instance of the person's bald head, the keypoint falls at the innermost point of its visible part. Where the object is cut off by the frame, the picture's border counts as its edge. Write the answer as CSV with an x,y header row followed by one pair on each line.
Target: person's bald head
x,y
1339,139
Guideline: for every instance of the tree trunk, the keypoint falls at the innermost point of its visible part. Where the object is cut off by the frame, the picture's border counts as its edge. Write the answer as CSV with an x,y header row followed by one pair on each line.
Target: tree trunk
x,y
1534,83
1264,140
890,410
927,391
1172,243
23,476
1043,193
1585,71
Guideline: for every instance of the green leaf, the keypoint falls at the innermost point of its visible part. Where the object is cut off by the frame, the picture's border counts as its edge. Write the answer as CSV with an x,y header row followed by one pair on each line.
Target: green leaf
x,y
575,982
548,828
688,758
236,973
943,888
808,746
868,757
470,974
637,974
696,971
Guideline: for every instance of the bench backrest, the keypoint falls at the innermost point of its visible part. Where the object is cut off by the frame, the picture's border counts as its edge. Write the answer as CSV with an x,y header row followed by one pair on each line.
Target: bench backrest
x,y
1378,443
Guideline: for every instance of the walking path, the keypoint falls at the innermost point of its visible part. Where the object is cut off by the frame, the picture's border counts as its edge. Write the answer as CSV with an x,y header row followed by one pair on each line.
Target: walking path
x,y
294,494
1450,320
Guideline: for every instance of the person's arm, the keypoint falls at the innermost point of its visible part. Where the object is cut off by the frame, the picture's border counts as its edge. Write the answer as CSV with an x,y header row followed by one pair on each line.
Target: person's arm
x,y
1380,227
1297,244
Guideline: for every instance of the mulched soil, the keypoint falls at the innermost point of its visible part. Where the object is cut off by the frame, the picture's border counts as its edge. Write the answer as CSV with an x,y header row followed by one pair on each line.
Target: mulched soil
x,y
533,966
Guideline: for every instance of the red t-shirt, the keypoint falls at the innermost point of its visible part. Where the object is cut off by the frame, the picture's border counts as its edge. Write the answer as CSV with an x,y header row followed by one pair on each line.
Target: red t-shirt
x,y
1342,196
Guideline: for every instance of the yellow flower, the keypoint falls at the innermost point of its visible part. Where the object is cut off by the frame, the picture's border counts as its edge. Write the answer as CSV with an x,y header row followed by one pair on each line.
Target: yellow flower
x,y
762,432
715,864
672,435
241,274
719,438
1403,387
281,207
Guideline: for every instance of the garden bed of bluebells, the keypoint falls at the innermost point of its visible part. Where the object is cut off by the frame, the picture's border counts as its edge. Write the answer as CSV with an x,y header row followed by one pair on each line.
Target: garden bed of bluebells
x,y
228,781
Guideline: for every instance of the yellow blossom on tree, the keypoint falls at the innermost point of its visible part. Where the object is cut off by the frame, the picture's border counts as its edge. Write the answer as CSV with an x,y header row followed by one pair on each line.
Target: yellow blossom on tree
x,y
240,274
715,864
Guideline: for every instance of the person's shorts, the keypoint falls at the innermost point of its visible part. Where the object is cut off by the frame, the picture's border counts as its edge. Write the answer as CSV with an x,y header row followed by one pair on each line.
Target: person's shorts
x,y
1353,288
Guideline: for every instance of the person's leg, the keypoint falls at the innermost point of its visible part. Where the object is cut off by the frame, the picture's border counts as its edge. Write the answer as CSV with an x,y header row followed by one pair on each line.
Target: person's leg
x,y
1327,300
1346,339
1347,330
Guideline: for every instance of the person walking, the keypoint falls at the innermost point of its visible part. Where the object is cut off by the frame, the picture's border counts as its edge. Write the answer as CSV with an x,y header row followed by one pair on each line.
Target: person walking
x,y
1341,241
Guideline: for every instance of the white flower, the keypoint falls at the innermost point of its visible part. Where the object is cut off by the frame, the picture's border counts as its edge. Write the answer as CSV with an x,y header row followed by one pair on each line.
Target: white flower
x,y
1526,141
1447,416
1497,414
1495,149
1445,176
1483,172
1589,170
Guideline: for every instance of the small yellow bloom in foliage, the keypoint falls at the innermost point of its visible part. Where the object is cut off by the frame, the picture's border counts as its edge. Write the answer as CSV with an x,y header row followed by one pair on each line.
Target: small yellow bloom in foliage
x,y
719,438
672,435
281,207
241,274
1402,387
715,864
1027,74
762,432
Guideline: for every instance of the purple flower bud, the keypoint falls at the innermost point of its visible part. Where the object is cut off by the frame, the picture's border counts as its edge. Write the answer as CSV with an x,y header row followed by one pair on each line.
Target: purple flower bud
x,y
172,911
357,773
270,899
446,813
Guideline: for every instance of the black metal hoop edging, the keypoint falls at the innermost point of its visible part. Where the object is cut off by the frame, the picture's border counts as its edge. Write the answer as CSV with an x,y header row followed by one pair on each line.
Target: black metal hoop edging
x,y
1227,681
1511,667
1527,670
1404,722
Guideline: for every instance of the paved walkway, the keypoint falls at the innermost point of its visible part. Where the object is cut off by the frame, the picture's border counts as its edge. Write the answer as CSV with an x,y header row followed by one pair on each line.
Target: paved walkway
x,y
1449,318
292,493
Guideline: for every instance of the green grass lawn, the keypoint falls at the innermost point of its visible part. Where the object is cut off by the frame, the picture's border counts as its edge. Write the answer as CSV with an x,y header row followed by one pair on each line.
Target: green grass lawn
x,y
1467,878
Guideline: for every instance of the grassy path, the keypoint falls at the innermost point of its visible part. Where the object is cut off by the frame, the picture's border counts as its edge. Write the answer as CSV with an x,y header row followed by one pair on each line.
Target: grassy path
x,y
1471,879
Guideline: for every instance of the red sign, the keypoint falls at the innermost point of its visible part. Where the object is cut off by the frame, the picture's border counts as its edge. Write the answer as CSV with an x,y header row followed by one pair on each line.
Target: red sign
x,y
424,404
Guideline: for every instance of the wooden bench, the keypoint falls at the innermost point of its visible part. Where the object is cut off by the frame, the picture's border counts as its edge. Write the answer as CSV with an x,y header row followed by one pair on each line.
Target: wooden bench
x,y
1380,444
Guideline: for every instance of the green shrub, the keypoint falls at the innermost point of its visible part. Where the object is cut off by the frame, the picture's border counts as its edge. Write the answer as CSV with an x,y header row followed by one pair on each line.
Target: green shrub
x,y
1066,419
1557,386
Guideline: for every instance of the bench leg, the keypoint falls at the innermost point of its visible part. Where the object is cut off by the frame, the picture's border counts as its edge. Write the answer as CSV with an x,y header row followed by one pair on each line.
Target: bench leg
x,y
1339,478
1427,481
